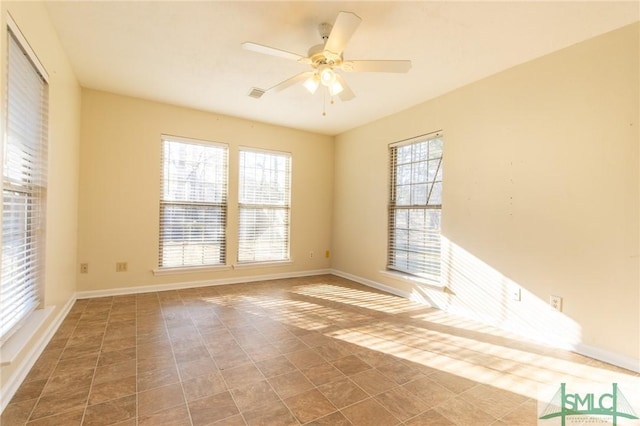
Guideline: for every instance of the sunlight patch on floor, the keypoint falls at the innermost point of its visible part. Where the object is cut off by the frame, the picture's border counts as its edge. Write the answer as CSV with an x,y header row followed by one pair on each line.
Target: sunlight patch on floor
x,y
365,299
424,337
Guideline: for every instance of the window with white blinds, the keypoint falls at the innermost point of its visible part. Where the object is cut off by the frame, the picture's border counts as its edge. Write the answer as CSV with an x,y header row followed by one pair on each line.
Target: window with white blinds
x,y
193,203
415,207
264,206
24,181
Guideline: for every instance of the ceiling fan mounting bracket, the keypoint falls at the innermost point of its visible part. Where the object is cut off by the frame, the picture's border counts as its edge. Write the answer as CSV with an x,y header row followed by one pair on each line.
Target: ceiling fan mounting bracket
x,y
325,30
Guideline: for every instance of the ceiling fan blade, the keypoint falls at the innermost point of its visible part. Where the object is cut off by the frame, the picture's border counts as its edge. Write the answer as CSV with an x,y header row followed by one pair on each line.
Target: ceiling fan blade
x,y
344,27
376,66
291,81
266,50
346,94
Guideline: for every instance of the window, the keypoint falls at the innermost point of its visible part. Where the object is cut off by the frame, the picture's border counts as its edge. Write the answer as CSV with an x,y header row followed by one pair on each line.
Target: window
x,y
193,203
24,182
415,207
264,206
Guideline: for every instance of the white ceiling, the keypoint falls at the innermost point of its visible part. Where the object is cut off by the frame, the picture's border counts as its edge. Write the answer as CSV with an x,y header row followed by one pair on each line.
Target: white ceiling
x,y
189,53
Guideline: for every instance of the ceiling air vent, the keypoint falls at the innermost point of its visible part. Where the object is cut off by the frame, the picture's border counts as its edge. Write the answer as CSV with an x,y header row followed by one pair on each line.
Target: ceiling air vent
x,y
256,93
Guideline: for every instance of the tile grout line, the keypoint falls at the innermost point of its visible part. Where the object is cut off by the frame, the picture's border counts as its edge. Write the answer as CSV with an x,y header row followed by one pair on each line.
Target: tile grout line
x,y
370,396
173,353
252,361
315,387
226,385
136,343
104,334
51,373
267,380
344,376
517,407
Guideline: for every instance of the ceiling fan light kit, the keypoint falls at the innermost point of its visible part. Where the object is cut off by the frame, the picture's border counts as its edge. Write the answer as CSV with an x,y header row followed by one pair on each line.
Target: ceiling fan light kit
x,y
327,76
335,88
326,58
312,83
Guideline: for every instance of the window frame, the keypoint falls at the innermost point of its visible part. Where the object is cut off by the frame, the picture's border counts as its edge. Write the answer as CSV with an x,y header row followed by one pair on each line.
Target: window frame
x,y
424,269
28,189
221,205
284,207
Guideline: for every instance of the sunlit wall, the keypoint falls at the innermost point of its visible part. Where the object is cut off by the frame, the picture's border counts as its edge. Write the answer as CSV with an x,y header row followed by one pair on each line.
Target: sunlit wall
x,y
540,192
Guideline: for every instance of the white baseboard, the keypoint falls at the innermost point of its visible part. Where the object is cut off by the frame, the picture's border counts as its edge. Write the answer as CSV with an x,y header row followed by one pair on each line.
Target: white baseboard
x,y
10,387
623,361
600,354
371,283
192,284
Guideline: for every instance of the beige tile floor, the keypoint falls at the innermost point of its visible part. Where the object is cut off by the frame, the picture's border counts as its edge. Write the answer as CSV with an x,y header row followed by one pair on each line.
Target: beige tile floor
x,y
318,351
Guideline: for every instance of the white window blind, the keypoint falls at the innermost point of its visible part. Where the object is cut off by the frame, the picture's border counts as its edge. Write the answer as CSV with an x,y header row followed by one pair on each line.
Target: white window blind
x,y
415,207
24,180
264,206
193,203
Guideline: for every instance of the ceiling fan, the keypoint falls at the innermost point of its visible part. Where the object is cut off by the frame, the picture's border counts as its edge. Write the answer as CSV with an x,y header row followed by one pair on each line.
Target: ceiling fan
x,y
326,58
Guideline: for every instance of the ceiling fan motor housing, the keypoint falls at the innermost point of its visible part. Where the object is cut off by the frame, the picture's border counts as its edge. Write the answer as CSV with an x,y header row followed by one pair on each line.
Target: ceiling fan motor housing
x,y
319,56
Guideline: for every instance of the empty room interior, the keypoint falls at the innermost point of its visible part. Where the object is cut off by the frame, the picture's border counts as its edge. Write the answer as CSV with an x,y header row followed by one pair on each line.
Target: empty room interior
x,y
322,213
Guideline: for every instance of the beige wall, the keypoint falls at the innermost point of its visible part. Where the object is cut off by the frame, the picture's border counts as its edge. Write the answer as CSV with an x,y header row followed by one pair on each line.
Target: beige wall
x,y
120,188
540,191
64,149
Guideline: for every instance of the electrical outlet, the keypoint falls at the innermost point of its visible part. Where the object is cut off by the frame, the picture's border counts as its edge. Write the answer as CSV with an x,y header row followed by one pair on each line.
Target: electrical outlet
x,y
121,267
556,302
514,292
84,268
310,255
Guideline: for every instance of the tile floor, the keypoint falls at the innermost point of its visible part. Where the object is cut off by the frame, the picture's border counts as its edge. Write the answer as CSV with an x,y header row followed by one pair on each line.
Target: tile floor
x,y
316,351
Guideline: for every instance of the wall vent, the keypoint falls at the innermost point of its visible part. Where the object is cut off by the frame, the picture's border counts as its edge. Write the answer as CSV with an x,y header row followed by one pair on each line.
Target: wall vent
x,y
256,93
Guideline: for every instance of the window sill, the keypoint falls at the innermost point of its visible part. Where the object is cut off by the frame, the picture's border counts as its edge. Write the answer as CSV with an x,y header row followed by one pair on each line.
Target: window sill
x,y
190,270
414,279
16,343
266,264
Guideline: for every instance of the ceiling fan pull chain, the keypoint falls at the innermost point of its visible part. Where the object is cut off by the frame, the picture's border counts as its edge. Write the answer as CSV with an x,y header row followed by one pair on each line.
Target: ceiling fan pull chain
x,y
324,104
